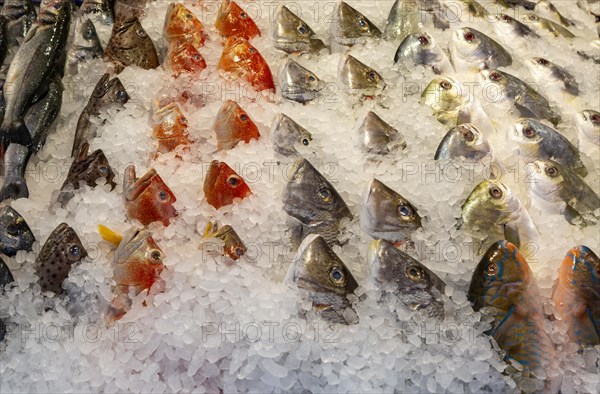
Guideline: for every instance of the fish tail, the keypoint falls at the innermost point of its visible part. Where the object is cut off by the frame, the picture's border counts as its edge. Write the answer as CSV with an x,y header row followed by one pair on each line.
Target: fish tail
x,y
14,189
15,132
109,235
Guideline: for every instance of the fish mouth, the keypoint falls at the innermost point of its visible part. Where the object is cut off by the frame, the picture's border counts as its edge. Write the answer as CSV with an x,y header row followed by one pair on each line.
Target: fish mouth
x,y
138,186
131,242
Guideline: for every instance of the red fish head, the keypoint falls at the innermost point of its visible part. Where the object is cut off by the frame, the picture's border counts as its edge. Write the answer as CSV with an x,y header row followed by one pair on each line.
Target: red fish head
x,y
244,61
148,199
170,127
182,57
233,21
233,125
181,23
222,185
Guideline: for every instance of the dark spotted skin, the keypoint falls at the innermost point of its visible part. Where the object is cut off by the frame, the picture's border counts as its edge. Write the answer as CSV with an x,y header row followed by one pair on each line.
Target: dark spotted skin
x,y
130,45
62,249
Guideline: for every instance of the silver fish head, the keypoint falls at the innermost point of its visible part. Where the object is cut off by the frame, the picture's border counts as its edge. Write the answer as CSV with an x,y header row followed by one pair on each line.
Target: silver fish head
x,y
588,125
444,94
62,249
377,136
490,203
509,26
297,83
87,38
15,234
419,49
386,214
310,198
349,26
547,71
288,135
291,34
478,50
464,140
547,180
528,134
357,76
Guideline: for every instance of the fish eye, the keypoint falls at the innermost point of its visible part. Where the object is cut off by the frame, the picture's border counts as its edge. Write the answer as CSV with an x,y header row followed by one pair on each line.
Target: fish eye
x,y
243,117
234,181
188,16
155,256
103,170
423,40
88,34
305,141
528,132
491,269
445,85
121,95
302,29
13,229
595,118
495,192
372,75
239,251
325,195
251,50
532,17
404,211
196,57
551,171
362,23
141,33
505,18
311,78
495,76
163,195
542,61
469,136
469,36
243,15
337,276
74,251
414,273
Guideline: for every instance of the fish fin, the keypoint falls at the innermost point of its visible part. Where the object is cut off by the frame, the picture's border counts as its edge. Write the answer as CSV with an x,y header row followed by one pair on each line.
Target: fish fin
x,y
511,234
525,112
208,230
13,189
109,235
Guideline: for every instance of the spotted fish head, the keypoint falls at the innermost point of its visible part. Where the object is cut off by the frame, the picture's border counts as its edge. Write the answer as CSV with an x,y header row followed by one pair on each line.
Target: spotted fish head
x,y
15,234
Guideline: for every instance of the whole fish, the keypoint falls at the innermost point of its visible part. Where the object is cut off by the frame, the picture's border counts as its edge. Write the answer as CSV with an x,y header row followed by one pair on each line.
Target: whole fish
x,y
137,265
287,135
85,46
18,17
318,271
183,58
547,25
15,234
291,34
464,141
547,10
298,83
547,72
446,97
588,126
243,61
420,49
233,21
504,285
349,26
62,249
233,125
32,68
37,122
538,141
576,296
108,92
357,77
409,282
510,27
182,25
557,184
233,247
87,169
527,101
385,214
313,201
377,136
222,185
169,127
148,199
493,209
129,45
101,9
471,50
409,16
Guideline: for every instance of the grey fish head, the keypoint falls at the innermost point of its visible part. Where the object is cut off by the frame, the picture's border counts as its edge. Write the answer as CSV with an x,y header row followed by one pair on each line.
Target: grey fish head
x,y
377,136
90,168
348,25
107,92
62,249
5,276
464,140
87,37
310,198
287,135
15,234
588,125
420,49
386,214
318,269
506,24
298,83
545,70
291,34
356,75
547,180
475,47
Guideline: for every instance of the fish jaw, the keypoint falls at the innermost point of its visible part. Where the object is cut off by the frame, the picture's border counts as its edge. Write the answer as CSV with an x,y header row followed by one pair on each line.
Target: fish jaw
x,y
148,199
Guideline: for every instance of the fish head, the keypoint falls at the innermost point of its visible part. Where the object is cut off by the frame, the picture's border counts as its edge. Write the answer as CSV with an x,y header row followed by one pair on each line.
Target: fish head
x,y
445,93
547,179
379,137
233,247
419,48
498,81
310,198
528,134
357,75
148,199
15,234
295,76
181,23
232,20
244,61
108,92
169,121
500,278
288,135
464,140
386,214
580,273
504,23
138,260
222,185
62,249
490,202
541,67
588,123
349,23
468,44
232,123
131,44
183,57
317,268
90,167
87,37
290,27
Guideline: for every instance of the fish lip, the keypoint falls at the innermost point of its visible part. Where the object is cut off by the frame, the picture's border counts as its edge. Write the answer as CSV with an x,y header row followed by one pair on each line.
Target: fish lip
x,y
131,242
134,189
